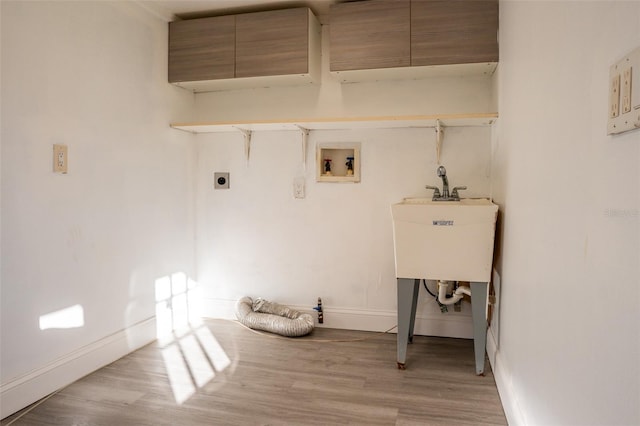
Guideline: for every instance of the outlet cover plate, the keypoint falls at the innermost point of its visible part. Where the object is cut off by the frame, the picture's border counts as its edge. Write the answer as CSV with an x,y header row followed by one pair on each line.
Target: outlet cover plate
x,y
298,188
60,158
221,180
624,94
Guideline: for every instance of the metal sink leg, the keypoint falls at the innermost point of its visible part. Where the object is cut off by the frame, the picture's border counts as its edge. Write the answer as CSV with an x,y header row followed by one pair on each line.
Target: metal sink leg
x,y
408,289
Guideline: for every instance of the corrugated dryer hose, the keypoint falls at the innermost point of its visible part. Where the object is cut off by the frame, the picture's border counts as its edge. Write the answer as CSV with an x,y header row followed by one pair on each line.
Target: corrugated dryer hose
x,y
273,317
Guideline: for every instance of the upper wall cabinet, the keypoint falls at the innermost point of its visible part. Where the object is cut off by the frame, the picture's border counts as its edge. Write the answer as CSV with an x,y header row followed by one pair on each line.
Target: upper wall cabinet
x,y
454,32
279,47
387,37
371,34
202,49
272,43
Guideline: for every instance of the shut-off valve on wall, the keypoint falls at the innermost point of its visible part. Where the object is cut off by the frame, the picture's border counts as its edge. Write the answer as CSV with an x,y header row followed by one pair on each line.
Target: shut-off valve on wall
x,y
319,309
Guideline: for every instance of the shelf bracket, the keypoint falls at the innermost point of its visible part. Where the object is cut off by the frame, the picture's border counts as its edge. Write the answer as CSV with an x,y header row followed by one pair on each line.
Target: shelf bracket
x,y
439,138
247,142
305,138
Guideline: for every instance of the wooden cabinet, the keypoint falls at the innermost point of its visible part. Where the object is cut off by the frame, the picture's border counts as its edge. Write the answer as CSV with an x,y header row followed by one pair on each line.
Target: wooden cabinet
x,y
272,43
278,47
454,32
202,49
378,34
370,34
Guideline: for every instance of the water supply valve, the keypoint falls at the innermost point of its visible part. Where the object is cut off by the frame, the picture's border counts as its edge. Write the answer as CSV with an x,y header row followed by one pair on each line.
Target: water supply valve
x,y
349,165
319,309
327,167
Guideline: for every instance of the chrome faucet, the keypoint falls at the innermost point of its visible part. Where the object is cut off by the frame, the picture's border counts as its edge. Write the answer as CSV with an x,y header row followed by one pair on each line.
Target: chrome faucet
x,y
442,172
445,196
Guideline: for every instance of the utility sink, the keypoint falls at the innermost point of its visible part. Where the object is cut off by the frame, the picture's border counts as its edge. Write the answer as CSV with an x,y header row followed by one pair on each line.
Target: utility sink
x,y
444,240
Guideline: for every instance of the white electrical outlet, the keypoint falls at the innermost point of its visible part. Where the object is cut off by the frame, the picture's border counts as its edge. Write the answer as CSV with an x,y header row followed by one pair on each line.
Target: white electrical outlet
x,y
60,158
298,188
614,97
625,93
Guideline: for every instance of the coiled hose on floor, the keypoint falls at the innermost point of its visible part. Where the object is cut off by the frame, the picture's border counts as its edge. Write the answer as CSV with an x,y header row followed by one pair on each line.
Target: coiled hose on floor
x,y
273,317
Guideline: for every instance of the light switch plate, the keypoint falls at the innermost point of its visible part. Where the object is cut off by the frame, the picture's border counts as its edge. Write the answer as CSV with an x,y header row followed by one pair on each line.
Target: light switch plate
x,y
60,158
624,94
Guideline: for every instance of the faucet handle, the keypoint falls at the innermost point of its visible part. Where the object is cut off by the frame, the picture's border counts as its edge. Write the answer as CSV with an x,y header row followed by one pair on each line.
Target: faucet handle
x,y
454,192
436,191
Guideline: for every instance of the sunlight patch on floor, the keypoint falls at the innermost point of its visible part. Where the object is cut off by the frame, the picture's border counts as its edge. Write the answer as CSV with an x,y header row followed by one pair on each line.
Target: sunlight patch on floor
x,y
191,353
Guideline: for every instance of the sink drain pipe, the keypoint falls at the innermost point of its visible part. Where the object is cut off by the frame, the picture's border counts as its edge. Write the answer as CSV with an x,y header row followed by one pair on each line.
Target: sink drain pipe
x,y
443,286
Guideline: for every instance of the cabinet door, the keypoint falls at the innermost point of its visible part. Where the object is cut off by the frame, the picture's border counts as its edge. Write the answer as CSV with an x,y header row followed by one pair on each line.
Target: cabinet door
x,y
202,49
272,43
370,34
454,32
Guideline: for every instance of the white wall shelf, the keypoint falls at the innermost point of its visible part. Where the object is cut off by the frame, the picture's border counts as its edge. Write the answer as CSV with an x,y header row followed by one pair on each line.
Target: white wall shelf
x,y
338,123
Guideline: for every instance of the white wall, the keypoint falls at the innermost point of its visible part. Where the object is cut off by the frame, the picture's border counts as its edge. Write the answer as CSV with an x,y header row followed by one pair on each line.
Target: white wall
x,y
396,96
257,240
569,344
91,75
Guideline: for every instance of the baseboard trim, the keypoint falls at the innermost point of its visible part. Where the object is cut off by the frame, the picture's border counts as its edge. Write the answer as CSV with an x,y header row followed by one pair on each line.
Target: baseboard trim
x,y
492,348
502,377
362,319
22,391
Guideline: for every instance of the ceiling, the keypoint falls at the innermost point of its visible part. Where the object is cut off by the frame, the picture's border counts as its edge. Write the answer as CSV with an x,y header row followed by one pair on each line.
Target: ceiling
x,y
171,10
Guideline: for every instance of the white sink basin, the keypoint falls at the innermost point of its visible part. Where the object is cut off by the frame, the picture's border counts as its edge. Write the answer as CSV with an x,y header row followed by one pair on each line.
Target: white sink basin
x,y
444,240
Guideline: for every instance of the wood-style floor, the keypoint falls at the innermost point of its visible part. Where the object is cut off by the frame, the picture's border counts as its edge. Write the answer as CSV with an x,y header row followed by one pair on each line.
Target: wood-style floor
x,y
224,374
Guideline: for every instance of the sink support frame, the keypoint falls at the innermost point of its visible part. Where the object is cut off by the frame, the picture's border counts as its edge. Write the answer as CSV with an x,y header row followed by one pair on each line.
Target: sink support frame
x,y
408,289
